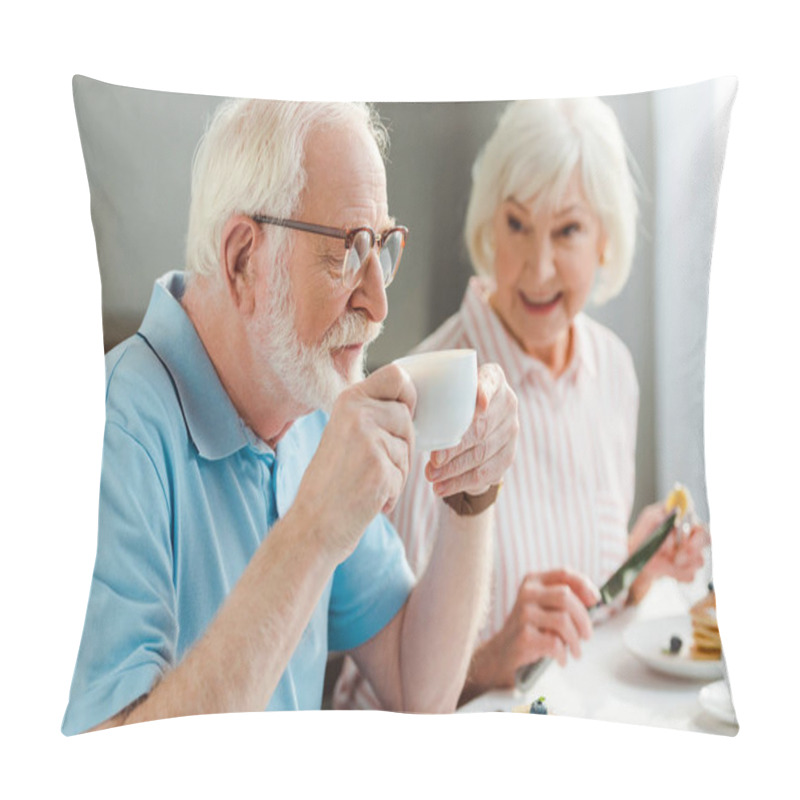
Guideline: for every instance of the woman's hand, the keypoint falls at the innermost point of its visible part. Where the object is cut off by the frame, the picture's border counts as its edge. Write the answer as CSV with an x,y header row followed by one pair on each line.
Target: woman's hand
x,y
679,557
549,618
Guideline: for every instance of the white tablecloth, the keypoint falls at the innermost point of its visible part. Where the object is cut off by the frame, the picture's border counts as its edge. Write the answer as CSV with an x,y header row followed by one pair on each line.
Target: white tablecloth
x,y
609,683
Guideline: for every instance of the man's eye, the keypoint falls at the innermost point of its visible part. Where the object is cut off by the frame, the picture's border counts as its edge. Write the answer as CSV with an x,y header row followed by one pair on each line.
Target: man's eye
x,y
332,260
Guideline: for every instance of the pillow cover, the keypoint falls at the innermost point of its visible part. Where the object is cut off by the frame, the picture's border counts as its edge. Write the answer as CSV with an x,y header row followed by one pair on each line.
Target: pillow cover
x,y
138,147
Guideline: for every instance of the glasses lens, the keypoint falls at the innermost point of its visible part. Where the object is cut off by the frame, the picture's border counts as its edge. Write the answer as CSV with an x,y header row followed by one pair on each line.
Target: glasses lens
x,y
353,258
356,255
362,243
391,251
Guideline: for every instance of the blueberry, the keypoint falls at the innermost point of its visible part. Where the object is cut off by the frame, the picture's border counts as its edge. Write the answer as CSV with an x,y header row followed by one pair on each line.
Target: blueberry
x,y
538,706
675,644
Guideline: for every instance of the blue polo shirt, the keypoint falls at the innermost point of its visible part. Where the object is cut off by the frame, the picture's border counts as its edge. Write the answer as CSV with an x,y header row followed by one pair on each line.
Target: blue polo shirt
x,y
187,494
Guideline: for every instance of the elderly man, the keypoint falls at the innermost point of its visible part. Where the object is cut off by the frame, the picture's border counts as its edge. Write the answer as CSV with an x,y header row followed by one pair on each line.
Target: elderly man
x,y
247,462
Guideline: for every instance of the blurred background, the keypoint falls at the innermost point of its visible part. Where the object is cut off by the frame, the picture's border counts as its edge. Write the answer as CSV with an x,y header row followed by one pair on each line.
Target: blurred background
x,y
138,147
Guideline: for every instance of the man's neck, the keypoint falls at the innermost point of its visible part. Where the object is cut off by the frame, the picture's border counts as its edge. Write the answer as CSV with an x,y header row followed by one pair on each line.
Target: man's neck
x,y
262,404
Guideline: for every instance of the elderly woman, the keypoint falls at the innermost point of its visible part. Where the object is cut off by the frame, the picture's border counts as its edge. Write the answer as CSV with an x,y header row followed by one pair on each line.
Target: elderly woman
x,y
551,225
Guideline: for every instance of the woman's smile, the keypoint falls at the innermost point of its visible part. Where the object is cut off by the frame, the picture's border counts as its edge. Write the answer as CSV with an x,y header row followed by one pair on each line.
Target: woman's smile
x,y
543,304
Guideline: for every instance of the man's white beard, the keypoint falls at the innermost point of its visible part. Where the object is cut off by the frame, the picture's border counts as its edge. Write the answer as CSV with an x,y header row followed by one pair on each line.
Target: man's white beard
x,y
307,372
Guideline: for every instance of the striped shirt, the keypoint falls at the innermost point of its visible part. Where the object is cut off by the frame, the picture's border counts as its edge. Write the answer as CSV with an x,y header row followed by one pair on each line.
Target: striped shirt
x,y
567,497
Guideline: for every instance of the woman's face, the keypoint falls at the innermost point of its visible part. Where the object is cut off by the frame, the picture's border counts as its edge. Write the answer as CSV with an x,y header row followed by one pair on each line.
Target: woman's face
x,y
544,267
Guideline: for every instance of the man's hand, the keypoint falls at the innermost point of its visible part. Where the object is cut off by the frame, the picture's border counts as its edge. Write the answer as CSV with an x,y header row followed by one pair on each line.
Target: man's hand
x,y
487,449
549,619
363,459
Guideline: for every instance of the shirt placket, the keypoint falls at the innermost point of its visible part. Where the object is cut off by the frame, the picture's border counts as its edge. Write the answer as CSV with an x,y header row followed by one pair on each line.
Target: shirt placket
x,y
267,473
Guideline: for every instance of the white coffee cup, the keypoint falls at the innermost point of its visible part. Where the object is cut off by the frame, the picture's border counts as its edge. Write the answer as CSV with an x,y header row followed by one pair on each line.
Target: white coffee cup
x,y
447,386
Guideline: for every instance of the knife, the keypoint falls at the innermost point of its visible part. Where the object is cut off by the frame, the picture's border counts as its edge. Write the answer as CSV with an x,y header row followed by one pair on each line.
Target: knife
x,y
619,582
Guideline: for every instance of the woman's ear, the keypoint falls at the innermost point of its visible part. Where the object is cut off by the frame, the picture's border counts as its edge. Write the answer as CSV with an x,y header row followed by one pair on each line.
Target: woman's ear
x,y
602,248
238,246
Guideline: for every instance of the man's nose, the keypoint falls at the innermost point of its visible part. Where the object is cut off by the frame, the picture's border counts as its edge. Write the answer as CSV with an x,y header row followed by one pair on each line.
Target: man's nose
x,y
369,294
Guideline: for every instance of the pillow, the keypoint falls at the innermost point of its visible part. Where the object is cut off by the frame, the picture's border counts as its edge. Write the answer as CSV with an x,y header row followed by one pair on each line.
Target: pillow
x,y
138,147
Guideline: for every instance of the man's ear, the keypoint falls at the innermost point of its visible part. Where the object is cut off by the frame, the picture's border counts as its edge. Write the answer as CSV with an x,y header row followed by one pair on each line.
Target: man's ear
x,y
238,242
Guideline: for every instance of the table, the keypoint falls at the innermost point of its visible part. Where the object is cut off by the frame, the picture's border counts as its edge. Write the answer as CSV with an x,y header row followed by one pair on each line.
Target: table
x,y
609,683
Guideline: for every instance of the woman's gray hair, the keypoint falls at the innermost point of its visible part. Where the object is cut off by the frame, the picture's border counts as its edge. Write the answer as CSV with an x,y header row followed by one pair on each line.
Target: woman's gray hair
x,y
251,161
533,152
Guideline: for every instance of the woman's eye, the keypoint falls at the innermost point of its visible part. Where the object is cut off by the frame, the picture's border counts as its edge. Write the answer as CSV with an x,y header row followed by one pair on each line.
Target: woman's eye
x,y
569,230
514,224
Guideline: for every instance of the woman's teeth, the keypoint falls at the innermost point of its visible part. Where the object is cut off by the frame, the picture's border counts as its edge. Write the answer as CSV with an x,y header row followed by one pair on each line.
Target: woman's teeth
x,y
542,302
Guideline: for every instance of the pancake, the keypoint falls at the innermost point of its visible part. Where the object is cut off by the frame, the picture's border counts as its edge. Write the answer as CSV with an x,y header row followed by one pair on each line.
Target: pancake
x,y
704,655
706,643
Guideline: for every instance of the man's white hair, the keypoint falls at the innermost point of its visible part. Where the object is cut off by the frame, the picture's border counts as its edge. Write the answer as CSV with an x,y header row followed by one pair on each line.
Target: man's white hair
x,y
532,153
251,161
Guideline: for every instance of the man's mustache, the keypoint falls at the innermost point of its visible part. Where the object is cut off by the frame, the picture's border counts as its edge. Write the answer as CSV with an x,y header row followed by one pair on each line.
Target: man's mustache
x,y
354,328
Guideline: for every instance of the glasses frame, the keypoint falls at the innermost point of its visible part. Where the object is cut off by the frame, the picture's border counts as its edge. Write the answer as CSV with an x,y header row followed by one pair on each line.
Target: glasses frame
x,y
347,234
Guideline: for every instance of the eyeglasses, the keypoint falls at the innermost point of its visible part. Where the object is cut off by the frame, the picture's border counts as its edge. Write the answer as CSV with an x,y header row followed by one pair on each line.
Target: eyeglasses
x,y
358,243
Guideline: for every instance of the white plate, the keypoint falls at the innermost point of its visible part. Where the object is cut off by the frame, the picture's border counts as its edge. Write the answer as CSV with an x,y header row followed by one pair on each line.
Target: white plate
x,y
716,699
647,640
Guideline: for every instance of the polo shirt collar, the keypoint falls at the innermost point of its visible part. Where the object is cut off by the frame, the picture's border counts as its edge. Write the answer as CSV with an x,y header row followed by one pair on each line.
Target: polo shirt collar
x,y
493,343
212,421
